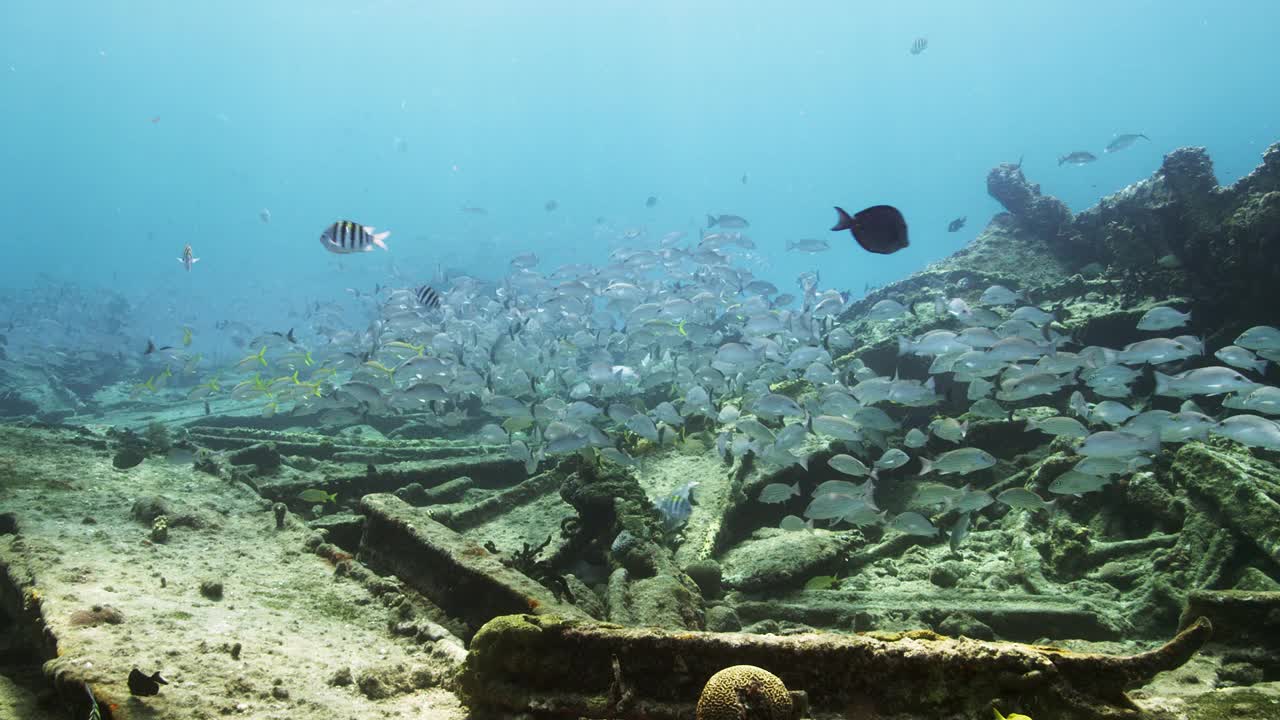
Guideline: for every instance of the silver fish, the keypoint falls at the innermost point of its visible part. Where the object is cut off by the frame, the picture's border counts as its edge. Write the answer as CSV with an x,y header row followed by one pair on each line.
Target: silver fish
x,y
1163,318
808,245
732,222
778,492
974,500
1074,482
1023,499
892,458
962,461
1060,427
1260,338
949,429
793,523
837,427
1203,381
930,494
1265,399
848,465
1000,295
1079,157
1120,142
913,523
1239,357
887,310
774,405
959,531
1154,351
1121,445
832,505
1251,430
1111,412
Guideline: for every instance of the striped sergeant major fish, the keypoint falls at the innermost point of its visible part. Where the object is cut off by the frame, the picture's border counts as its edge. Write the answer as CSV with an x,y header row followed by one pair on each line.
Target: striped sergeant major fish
x,y
188,259
428,297
345,236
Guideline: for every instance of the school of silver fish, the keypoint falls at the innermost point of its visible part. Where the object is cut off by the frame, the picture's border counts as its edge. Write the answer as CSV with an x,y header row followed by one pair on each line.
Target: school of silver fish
x,y
585,356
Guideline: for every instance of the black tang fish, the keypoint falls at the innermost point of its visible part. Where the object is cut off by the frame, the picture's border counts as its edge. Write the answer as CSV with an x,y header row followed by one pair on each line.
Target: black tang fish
x,y
878,229
144,685
956,224
151,348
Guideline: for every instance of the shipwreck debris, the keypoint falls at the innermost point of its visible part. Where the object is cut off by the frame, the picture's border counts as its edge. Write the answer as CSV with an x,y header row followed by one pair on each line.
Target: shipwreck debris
x,y
551,666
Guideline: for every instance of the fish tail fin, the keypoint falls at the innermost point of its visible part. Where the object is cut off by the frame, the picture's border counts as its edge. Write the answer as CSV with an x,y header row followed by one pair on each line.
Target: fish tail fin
x,y
926,466
791,244
1144,137
904,346
379,239
1061,159
1162,383
1151,443
711,221
844,220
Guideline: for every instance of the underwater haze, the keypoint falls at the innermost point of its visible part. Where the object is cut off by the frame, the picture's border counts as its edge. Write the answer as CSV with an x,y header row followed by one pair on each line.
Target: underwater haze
x,y
135,128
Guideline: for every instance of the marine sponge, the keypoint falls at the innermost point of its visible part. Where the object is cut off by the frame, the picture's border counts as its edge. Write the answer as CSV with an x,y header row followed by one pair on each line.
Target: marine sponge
x,y
744,692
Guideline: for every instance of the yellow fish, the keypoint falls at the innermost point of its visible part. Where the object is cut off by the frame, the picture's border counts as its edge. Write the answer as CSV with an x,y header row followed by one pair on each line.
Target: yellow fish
x,y
260,357
204,390
379,366
186,337
401,345
317,496
1010,716
821,582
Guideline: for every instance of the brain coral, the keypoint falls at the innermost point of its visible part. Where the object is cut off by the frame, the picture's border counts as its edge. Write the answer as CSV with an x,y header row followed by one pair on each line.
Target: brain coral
x,y
744,692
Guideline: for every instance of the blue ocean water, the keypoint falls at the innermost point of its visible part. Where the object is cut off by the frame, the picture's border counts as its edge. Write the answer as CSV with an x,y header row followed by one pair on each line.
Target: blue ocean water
x,y
133,128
